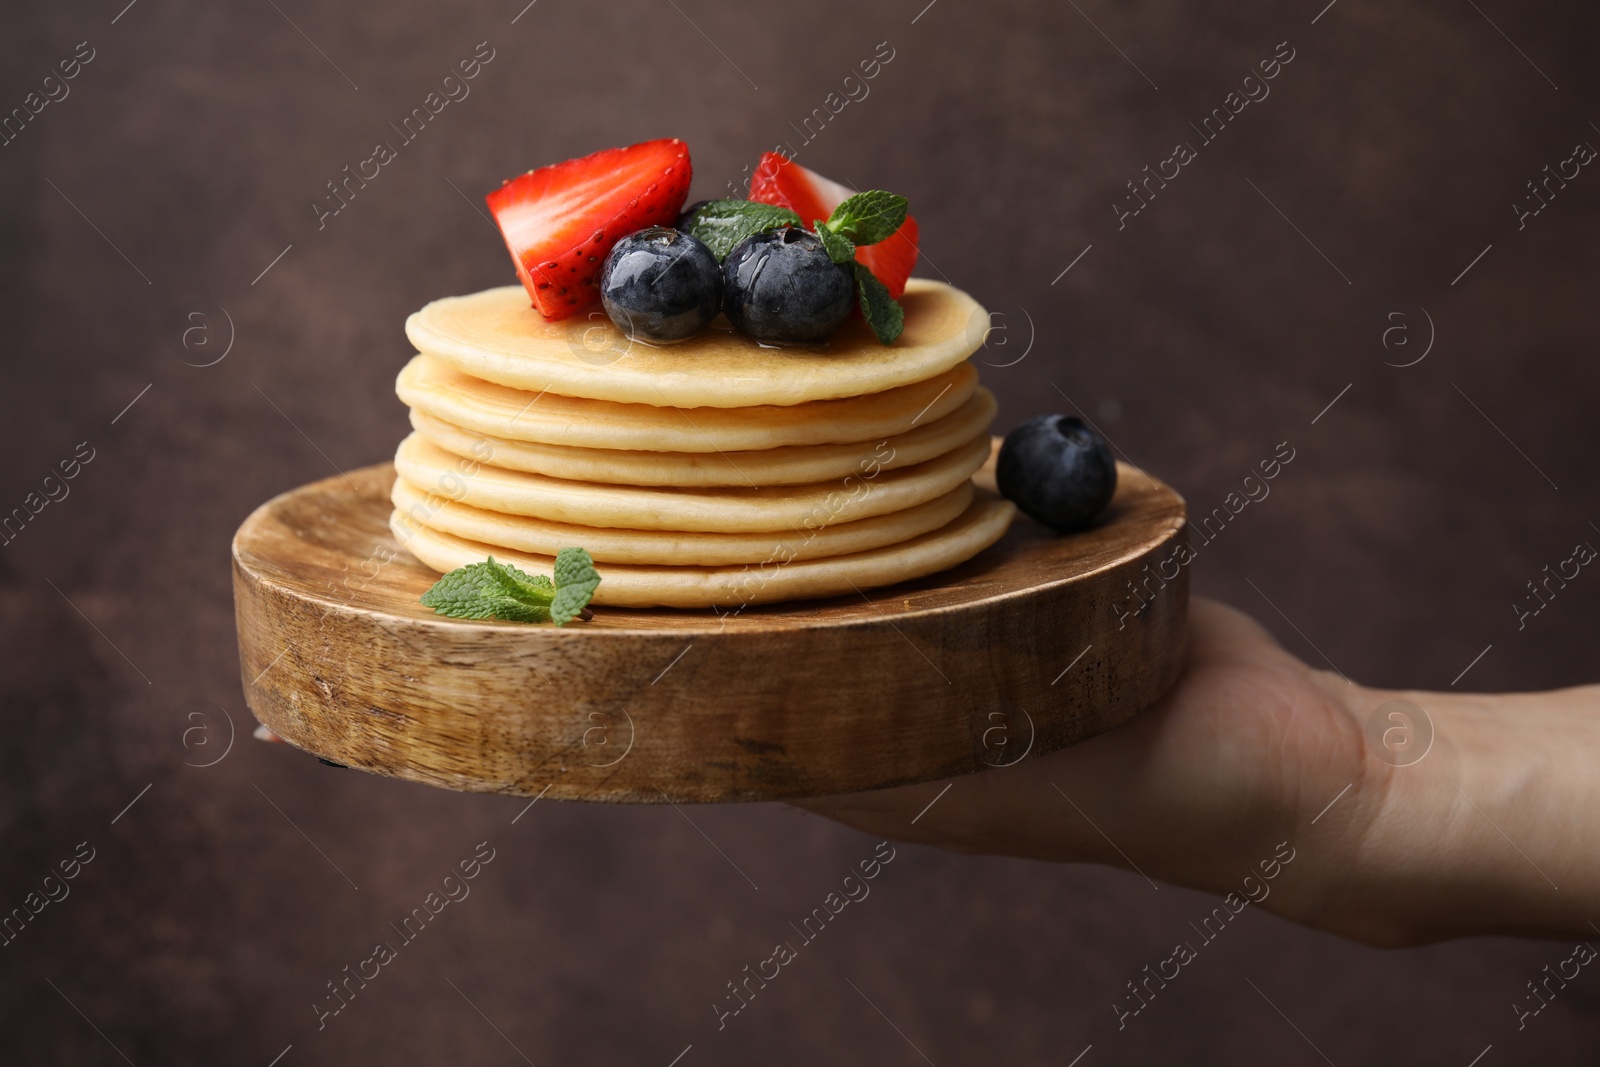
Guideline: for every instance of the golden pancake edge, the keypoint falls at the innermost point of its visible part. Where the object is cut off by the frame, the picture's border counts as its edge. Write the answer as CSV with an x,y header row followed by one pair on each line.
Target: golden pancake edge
x,y
496,336
623,585
785,465
713,510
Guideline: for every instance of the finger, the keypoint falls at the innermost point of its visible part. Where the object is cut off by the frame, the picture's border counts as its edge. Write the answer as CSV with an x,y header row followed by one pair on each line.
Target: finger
x,y
1022,810
1217,629
885,813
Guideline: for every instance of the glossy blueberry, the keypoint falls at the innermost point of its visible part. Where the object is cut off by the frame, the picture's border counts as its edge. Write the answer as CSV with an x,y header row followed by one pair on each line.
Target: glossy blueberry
x,y
659,285
686,216
780,287
1058,471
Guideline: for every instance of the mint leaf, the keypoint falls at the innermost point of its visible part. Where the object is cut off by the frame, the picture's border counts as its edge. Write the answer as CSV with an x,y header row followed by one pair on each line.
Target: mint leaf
x,y
519,585
576,580
869,217
882,312
840,248
721,224
491,590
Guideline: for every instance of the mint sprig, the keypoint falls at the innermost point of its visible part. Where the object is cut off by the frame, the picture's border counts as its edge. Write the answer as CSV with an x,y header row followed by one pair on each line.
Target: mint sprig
x,y
491,590
882,311
840,248
869,217
722,224
576,580
862,219
865,219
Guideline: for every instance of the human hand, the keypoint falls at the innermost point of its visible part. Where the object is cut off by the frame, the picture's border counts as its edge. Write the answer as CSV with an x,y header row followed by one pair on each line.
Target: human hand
x,y
1253,748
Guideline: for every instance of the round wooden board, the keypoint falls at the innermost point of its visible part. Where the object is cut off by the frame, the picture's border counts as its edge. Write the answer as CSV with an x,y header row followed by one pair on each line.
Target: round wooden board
x,y
1038,642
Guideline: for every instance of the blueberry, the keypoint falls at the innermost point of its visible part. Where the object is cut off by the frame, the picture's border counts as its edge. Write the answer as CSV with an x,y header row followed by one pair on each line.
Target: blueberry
x,y
1058,471
781,287
660,285
686,216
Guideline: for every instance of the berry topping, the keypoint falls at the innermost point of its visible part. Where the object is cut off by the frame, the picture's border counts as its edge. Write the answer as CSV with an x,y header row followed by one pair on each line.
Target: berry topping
x,y
778,180
781,287
660,285
560,221
1058,471
861,219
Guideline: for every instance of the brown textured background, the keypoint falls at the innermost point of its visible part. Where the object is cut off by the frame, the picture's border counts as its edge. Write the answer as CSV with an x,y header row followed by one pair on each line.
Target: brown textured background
x,y
1198,338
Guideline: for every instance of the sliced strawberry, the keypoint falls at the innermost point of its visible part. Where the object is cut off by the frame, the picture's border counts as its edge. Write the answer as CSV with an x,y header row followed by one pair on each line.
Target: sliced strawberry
x,y
781,181
560,221
893,258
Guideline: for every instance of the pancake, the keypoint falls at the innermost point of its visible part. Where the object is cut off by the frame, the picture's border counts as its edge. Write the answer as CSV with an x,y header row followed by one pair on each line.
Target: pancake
x,y
530,536
789,465
716,510
439,390
496,336
623,585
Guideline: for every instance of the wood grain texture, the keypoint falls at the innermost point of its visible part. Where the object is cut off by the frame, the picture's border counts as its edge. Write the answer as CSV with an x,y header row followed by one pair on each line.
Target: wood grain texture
x,y
974,667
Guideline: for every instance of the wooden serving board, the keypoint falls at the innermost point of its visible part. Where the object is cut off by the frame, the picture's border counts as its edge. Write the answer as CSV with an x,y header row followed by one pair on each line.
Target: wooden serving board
x,y
1038,642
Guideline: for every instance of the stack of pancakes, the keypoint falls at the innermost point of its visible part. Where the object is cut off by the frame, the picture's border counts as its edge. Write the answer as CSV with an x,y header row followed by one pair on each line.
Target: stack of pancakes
x,y
716,472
